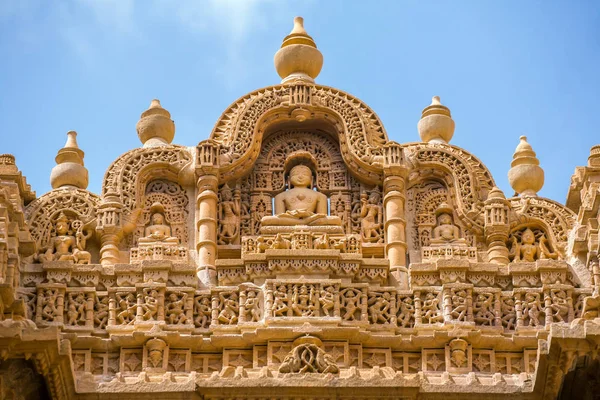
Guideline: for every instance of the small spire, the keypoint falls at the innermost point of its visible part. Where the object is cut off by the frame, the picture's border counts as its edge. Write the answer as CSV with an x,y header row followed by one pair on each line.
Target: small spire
x,y
69,170
436,124
155,127
298,57
525,176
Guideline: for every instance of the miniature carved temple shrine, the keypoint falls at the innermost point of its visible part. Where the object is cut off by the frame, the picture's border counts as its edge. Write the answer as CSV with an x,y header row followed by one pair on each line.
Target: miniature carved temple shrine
x,y
298,253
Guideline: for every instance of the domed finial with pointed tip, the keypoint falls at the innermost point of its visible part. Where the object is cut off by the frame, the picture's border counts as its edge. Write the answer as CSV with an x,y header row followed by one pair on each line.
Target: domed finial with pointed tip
x,y
155,127
69,170
436,124
525,176
298,57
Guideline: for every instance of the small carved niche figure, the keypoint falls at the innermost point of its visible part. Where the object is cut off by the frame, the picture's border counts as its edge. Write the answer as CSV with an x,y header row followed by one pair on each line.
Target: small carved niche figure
x,y
230,308
530,249
49,301
327,300
380,307
100,312
229,216
431,312
303,301
445,231
300,204
202,311
175,308
509,314
149,304
406,312
252,306
65,246
483,308
280,301
158,230
371,214
76,309
532,307
127,308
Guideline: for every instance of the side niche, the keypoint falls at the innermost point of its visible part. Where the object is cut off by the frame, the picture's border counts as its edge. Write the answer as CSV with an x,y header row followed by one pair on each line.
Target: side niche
x,y
62,222
173,202
433,229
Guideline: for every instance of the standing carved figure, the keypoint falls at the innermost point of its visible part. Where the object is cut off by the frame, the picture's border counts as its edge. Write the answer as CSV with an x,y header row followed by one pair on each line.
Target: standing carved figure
x,y
202,312
229,216
371,214
229,312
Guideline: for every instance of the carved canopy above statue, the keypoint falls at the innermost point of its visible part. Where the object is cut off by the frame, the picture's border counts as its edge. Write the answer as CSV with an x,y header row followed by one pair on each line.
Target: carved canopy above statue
x,y
240,129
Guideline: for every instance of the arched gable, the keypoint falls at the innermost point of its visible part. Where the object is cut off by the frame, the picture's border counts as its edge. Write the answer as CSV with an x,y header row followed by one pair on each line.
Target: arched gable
x,y
240,128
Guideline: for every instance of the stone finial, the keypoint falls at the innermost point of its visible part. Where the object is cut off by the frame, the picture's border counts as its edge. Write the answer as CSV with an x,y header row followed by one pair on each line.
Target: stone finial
x,y
155,127
594,158
298,57
525,176
69,170
436,124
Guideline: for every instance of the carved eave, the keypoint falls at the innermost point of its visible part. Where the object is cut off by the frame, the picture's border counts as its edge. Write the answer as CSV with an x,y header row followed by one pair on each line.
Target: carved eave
x,y
240,129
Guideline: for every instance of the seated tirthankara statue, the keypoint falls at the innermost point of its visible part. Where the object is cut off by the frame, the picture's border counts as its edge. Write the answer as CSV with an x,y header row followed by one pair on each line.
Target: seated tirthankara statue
x,y
300,205
158,230
446,232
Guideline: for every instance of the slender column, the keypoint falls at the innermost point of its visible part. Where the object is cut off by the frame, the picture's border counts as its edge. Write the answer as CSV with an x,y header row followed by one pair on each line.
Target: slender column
x,y
394,199
497,226
206,211
109,227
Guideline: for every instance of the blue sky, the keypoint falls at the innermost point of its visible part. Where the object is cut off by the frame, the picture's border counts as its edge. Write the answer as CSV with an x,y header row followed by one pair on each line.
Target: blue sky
x,y
505,68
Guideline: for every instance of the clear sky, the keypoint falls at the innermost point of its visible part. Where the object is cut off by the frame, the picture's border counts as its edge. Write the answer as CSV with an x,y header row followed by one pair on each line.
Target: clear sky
x,y
505,68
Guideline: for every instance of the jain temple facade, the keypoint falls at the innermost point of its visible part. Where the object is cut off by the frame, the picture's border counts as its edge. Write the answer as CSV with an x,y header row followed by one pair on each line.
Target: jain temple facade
x,y
297,253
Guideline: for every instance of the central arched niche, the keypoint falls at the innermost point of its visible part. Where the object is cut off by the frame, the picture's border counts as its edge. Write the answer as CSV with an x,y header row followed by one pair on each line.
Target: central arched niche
x,y
266,178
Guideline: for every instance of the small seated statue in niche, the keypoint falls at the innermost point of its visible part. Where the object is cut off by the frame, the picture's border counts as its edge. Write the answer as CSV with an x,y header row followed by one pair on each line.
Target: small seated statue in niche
x,y
529,250
300,204
158,230
446,232
64,246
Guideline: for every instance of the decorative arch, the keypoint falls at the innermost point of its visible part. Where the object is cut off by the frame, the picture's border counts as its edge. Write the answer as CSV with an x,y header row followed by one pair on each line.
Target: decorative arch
x,y
128,175
240,128
42,212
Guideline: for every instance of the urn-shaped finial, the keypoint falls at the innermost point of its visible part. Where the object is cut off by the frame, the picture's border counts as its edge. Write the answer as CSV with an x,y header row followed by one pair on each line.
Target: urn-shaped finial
x,y
69,169
155,127
436,124
298,57
525,176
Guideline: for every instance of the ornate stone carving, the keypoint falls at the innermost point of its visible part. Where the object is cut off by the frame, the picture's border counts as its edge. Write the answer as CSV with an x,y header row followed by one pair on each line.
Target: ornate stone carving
x,y
308,357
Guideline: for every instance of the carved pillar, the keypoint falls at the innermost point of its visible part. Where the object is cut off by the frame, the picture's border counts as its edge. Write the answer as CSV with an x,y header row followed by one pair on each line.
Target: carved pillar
x,y
109,226
394,199
206,211
496,226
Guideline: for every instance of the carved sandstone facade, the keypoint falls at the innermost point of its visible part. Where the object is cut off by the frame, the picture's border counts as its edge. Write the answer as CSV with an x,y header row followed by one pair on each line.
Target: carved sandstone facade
x,y
298,253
